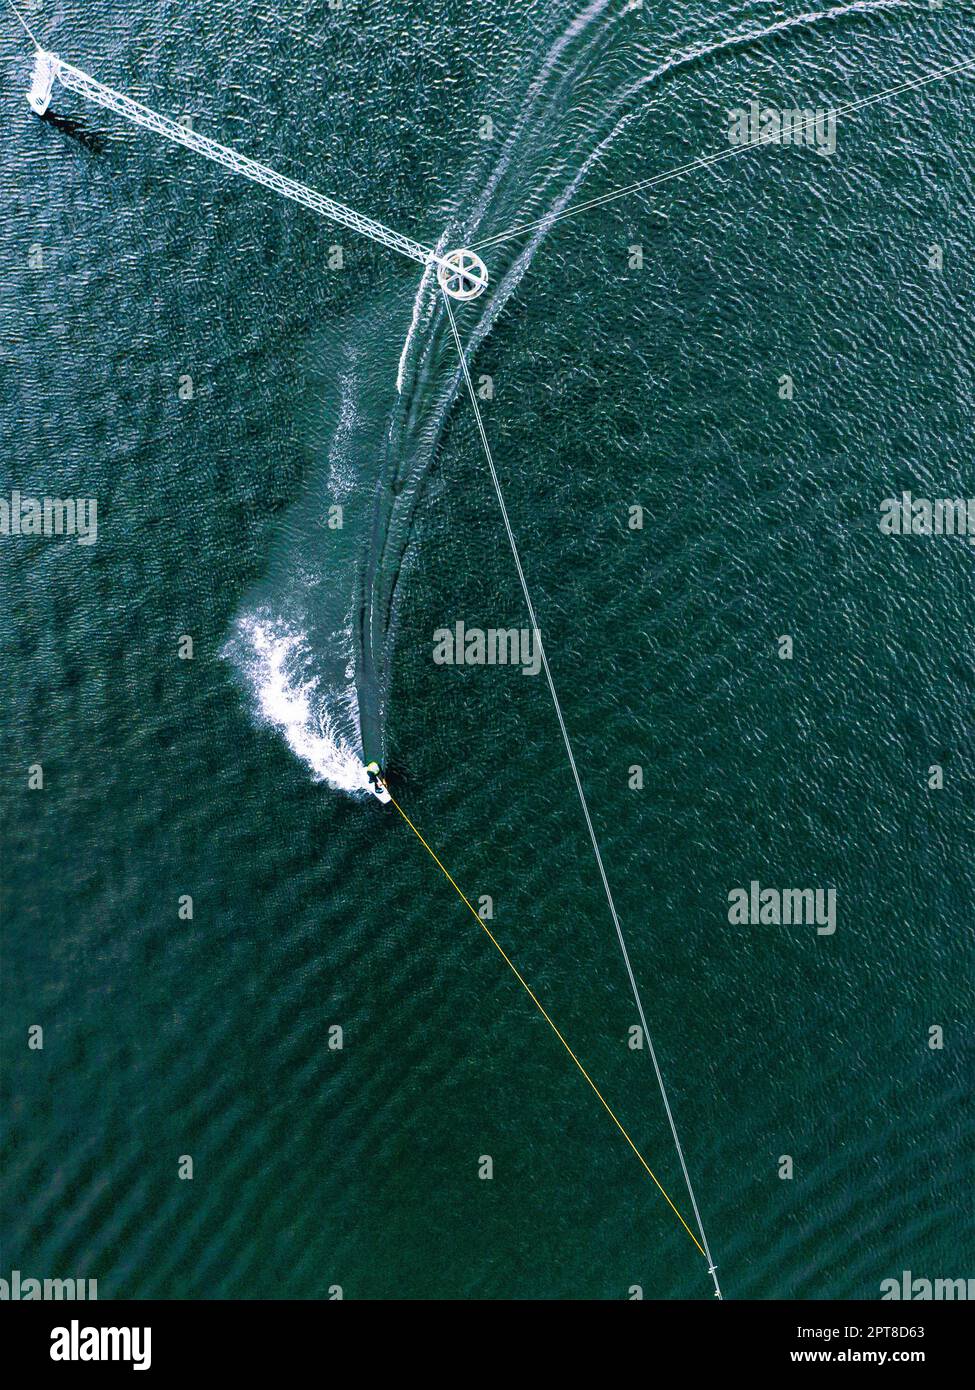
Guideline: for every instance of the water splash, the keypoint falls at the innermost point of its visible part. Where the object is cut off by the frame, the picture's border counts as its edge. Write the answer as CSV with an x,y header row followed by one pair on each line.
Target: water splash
x,y
320,727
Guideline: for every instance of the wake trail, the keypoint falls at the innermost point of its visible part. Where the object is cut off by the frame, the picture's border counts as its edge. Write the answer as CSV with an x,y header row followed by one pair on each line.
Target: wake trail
x,y
684,60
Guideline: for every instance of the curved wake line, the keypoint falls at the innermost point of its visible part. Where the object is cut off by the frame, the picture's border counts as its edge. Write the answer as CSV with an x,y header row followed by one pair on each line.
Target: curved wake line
x,y
321,722
428,303
577,26
689,58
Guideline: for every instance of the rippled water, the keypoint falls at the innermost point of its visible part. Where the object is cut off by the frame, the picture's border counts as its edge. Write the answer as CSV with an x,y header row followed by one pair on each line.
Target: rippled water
x,y
235,777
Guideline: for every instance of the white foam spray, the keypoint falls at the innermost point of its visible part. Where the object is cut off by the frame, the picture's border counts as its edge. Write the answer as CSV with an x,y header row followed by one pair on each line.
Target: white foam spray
x,y
275,658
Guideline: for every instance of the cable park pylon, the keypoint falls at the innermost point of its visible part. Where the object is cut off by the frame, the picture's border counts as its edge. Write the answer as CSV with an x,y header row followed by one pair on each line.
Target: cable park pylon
x,y
461,273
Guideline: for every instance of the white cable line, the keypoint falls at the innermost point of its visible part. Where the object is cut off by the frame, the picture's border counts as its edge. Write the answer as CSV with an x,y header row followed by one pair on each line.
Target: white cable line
x,y
582,796
24,23
703,161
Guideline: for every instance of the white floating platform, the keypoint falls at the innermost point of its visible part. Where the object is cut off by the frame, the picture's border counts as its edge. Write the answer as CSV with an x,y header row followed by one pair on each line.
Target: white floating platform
x,y
45,71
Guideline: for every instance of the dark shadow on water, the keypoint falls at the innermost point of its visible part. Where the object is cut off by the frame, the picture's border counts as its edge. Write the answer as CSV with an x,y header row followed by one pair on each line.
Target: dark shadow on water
x,y
89,140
